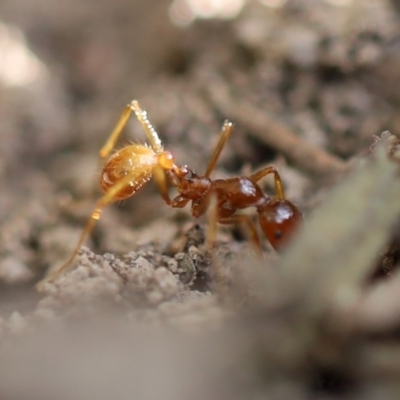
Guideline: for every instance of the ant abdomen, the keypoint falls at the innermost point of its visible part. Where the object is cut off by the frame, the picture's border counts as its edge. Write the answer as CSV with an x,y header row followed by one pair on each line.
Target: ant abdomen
x,y
136,161
279,219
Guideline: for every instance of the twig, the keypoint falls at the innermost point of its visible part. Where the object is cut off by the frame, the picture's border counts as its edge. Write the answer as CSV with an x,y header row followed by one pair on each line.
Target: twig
x,y
264,127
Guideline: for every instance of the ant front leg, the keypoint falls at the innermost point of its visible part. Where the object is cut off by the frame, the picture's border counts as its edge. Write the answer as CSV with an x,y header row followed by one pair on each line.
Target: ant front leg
x,y
277,179
162,182
216,213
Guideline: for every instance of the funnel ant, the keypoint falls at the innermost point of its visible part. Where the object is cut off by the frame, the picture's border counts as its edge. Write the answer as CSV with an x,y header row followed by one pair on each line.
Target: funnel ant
x,y
129,169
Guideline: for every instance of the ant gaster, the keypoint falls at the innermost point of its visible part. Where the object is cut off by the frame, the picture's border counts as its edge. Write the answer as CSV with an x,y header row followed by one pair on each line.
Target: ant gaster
x,y
129,169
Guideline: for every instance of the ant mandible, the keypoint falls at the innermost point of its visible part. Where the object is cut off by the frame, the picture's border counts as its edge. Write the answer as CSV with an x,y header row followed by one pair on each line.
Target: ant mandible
x,y
129,169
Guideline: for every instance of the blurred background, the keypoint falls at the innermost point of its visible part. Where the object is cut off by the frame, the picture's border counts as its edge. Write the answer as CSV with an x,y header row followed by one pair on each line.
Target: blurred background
x,y
323,73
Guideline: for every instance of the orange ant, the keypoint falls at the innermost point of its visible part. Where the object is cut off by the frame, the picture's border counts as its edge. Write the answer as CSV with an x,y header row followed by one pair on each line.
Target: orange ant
x,y
129,169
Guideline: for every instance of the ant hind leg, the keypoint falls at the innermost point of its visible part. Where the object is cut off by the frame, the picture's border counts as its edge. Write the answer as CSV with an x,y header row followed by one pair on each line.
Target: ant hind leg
x,y
249,225
277,179
116,133
106,199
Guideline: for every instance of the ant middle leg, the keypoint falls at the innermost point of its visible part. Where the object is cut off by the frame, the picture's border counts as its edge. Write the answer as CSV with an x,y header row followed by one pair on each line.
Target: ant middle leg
x,y
218,276
277,179
224,136
212,222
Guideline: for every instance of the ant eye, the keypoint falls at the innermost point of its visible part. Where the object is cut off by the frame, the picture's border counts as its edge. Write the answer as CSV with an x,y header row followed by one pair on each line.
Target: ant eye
x,y
278,234
189,174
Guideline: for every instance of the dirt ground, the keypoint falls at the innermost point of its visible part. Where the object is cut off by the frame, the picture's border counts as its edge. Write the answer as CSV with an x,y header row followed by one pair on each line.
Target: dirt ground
x,y
147,311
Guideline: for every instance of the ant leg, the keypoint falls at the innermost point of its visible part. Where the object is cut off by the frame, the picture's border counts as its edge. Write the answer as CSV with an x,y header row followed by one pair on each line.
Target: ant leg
x,y
179,202
116,133
141,116
106,199
212,222
161,180
277,179
162,183
225,133
217,272
248,223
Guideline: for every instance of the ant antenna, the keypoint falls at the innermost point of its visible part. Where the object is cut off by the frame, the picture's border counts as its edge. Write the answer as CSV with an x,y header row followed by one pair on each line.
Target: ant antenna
x,y
148,128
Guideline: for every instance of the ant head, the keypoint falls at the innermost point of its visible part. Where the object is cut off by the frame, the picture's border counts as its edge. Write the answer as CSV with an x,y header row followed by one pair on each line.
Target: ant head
x,y
279,219
187,177
166,161
188,183
183,172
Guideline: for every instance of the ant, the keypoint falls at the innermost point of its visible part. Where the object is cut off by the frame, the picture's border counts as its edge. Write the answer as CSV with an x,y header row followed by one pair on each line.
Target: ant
x,y
130,168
